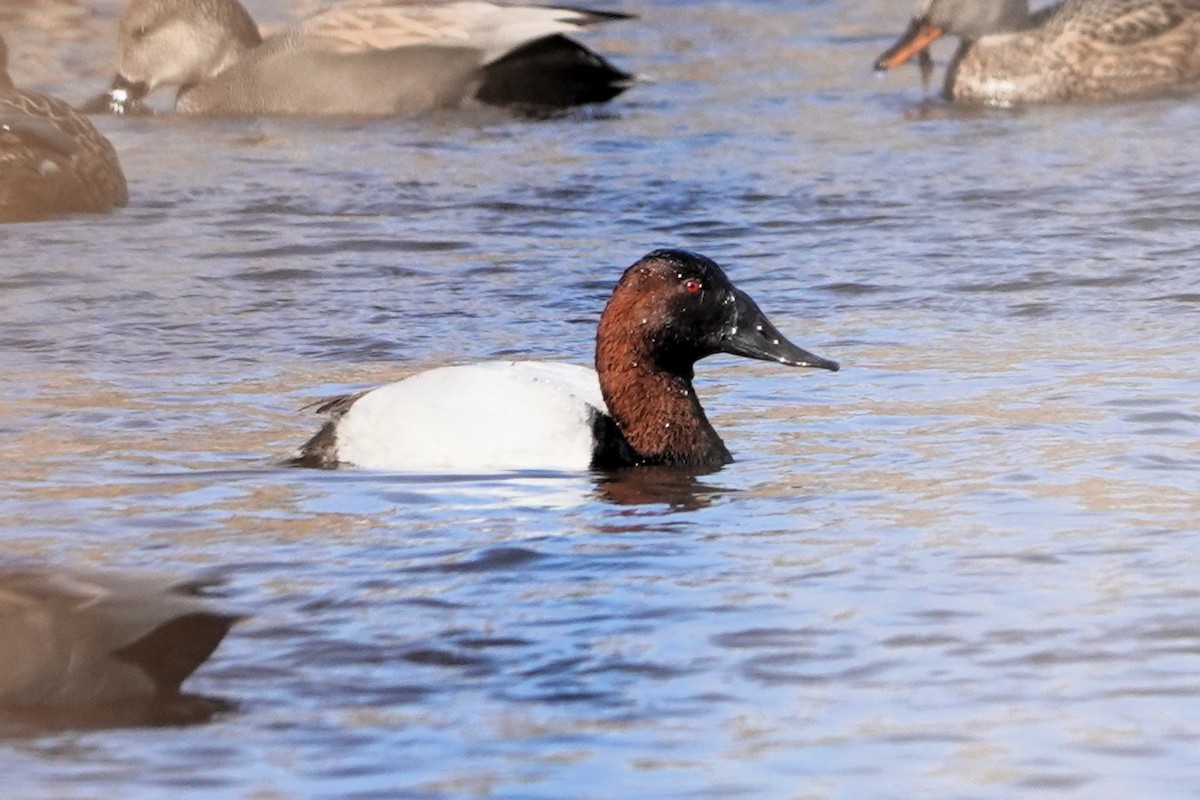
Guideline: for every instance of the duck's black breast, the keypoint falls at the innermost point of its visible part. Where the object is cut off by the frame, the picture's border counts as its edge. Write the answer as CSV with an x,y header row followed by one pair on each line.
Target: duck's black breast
x,y
611,450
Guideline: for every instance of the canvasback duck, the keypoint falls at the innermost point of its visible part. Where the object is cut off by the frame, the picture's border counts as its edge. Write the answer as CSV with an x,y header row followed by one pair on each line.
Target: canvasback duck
x,y
52,159
83,639
637,407
365,57
1075,50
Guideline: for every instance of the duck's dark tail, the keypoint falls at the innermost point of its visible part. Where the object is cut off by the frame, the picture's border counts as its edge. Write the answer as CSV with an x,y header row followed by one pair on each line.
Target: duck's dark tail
x,y
553,72
173,650
319,452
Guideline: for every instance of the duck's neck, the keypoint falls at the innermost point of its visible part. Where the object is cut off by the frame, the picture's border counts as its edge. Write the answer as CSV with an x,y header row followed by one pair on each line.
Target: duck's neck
x,y
987,19
657,409
240,35
236,47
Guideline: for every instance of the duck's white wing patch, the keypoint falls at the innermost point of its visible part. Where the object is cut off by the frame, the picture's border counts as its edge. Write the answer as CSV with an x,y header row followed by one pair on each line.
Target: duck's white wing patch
x,y
496,416
493,30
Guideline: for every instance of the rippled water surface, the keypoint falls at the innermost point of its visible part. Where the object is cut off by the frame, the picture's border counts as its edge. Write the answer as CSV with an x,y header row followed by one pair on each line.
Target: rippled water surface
x,y
965,565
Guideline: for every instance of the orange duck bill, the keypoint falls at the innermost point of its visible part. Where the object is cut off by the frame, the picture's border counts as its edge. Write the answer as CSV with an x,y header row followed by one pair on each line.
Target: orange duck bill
x,y
920,35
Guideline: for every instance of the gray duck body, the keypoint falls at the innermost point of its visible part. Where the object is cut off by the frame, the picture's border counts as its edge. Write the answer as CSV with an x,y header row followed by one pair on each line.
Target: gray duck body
x,y
367,57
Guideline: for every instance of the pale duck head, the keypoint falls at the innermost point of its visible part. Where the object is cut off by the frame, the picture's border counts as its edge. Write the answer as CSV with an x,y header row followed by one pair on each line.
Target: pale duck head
x,y
179,43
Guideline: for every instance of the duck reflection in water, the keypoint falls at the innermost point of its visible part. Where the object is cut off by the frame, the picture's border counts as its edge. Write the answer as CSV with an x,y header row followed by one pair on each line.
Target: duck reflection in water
x,y
681,490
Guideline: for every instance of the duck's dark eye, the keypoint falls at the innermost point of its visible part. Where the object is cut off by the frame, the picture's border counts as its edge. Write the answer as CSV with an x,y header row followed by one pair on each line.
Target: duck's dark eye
x,y
140,32
693,285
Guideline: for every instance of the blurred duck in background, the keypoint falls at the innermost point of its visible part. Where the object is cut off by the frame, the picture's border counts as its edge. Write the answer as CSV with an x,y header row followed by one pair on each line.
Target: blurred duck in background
x,y
85,640
1076,50
360,58
53,161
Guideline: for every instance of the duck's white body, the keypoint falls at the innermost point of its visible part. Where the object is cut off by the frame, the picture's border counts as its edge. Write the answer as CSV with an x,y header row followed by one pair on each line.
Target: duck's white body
x,y
497,415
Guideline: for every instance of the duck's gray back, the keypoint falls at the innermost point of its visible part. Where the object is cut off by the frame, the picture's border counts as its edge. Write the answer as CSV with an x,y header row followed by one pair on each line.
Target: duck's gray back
x,y
298,74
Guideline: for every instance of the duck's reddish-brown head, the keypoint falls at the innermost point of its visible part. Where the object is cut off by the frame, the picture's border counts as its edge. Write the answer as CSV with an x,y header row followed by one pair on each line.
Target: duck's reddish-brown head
x,y
676,307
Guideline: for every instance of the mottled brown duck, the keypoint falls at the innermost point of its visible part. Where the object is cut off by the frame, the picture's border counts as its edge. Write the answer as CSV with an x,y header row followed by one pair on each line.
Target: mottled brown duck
x,y
1074,51
53,161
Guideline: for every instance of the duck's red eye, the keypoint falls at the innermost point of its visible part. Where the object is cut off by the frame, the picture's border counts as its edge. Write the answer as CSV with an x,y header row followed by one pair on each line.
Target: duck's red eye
x,y
693,285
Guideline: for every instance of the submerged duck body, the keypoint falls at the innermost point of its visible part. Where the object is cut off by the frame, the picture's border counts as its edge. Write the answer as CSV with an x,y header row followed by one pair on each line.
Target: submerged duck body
x,y
1076,50
83,639
637,407
361,58
52,159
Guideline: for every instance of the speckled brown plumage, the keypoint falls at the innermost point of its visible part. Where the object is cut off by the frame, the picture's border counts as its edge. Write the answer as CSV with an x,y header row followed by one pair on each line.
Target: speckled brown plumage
x,y
1092,50
52,159
1077,50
